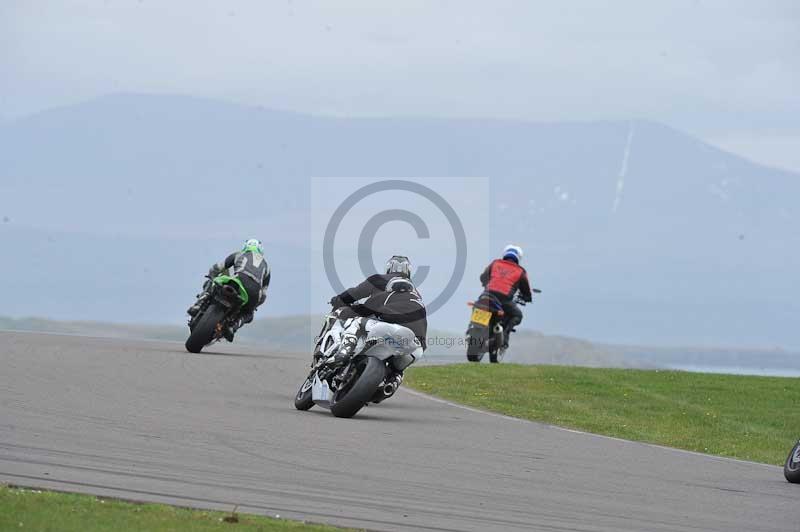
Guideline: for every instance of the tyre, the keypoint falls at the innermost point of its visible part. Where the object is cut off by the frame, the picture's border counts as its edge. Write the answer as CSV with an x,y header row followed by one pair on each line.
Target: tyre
x,y
474,348
302,401
204,329
359,390
474,353
496,353
792,468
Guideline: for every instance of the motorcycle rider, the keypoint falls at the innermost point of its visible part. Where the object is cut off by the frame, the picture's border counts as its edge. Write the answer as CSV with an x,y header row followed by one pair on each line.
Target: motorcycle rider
x,y
252,269
503,278
397,266
399,303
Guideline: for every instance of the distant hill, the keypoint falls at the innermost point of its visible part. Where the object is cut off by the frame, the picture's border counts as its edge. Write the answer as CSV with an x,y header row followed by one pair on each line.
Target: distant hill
x,y
638,233
296,333
290,333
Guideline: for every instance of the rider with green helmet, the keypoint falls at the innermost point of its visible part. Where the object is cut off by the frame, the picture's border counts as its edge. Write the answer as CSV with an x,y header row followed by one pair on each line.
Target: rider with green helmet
x,y
252,269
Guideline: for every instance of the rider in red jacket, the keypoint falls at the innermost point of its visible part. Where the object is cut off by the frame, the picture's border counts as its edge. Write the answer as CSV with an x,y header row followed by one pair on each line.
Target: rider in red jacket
x,y
504,278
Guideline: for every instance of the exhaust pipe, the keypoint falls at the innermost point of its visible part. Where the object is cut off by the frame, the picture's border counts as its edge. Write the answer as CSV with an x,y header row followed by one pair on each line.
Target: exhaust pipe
x,y
389,388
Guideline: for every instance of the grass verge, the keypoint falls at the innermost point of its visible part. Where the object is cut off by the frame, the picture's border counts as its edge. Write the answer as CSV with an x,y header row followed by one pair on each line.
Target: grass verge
x,y
751,418
28,509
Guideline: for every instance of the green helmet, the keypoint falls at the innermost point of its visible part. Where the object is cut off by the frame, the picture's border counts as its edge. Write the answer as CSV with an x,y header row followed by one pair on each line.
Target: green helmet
x,y
253,245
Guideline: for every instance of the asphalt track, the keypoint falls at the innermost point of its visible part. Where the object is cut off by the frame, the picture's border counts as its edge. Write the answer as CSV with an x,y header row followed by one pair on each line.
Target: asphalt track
x,y
148,421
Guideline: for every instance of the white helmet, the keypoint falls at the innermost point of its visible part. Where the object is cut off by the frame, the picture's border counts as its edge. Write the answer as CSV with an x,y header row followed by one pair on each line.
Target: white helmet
x,y
399,264
513,252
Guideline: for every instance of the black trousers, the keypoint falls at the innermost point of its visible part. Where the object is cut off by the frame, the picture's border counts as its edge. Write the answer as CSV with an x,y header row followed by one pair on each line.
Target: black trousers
x,y
513,313
253,292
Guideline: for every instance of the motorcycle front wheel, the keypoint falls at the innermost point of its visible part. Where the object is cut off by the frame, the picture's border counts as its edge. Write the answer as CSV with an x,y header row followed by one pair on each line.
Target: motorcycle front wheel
x,y
303,401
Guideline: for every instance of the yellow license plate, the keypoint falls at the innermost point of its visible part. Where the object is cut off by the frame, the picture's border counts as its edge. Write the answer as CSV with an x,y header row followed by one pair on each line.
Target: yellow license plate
x,y
480,316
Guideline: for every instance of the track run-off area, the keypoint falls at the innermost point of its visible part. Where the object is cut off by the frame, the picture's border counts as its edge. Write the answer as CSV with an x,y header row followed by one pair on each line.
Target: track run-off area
x,y
147,421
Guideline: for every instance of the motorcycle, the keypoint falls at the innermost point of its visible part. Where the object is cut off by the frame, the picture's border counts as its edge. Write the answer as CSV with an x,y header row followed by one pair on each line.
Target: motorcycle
x,y
218,308
373,374
486,332
791,470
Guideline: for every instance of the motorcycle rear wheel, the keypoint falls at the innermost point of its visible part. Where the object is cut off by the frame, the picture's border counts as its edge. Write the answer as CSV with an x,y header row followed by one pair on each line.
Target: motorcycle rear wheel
x,y
204,329
474,349
352,397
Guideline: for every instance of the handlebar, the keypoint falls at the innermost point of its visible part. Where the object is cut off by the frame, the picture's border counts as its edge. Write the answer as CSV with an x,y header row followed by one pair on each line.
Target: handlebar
x,y
519,301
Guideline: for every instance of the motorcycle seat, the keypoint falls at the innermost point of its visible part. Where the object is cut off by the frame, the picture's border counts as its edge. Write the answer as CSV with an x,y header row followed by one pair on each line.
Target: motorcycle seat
x,y
490,299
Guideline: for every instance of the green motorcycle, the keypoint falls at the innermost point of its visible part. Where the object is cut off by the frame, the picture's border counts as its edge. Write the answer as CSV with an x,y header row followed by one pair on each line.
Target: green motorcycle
x,y
218,308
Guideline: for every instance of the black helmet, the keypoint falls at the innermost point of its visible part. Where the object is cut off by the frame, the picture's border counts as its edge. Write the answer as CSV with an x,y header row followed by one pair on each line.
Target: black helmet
x,y
399,284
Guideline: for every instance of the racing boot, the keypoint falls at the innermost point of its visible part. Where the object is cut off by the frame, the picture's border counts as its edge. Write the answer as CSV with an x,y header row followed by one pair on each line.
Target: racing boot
x,y
346,350
236,324
507,336
509,326
228,331
194,309
245,318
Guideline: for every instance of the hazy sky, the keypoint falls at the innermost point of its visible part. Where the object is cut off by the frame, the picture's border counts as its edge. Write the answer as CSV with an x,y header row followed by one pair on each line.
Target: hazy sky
x,y
727,71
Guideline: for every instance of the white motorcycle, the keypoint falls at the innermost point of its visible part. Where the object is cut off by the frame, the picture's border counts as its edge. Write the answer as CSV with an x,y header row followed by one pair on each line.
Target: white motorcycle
x,y
372,374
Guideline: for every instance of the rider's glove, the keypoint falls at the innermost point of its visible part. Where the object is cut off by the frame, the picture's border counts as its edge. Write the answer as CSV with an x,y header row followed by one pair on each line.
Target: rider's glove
x,y
336,302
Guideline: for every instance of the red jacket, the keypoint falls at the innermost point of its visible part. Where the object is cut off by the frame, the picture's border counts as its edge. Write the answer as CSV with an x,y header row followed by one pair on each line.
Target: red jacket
x,y
505,277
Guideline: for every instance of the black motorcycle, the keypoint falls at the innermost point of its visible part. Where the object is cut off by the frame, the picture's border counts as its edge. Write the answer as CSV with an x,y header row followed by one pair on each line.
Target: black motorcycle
x,y
486,332
218,308
791,470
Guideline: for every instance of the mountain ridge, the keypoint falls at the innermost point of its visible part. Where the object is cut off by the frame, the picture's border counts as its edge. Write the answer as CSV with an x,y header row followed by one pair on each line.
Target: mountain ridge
x,y
637,232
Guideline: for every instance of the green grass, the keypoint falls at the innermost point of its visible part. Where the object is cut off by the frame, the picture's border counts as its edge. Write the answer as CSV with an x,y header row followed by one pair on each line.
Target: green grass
x,y
26,509
752,418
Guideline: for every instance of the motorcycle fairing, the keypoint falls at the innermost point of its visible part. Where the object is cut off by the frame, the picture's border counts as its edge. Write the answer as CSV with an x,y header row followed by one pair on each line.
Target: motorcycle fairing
x,y
320,392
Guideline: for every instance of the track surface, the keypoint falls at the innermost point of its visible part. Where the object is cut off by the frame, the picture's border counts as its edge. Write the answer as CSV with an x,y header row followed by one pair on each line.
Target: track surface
x,y
147,421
